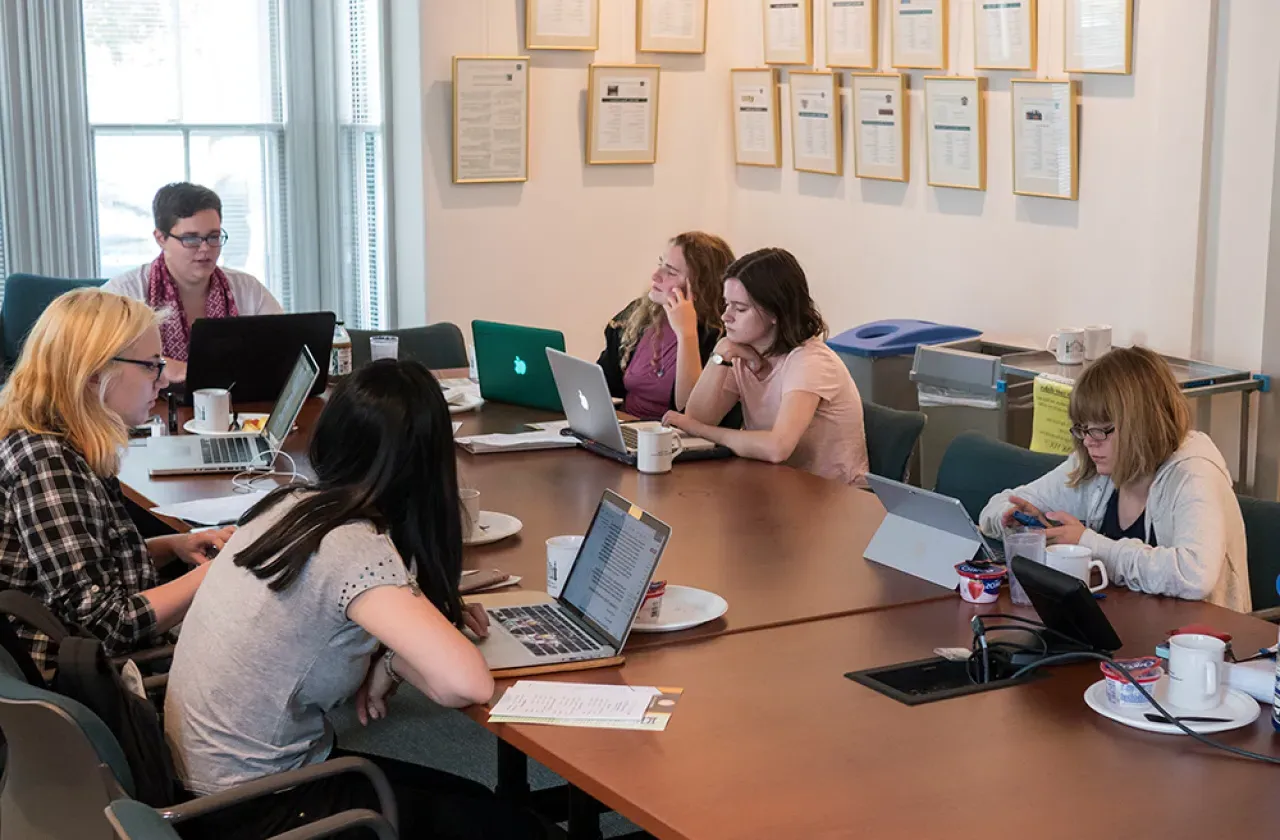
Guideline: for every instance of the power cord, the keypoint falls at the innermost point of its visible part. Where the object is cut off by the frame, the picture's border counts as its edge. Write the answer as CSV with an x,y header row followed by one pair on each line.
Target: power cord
x,y
245,481
1078,656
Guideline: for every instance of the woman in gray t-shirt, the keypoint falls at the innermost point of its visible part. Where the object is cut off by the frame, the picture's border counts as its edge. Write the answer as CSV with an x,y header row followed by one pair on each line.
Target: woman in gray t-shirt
x,y
294,611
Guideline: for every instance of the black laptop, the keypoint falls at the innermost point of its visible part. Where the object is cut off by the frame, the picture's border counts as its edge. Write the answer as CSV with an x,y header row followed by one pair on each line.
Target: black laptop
x,y
256,353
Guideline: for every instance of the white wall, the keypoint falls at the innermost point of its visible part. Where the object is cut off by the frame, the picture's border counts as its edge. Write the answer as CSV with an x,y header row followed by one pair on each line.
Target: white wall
x,y
1170,241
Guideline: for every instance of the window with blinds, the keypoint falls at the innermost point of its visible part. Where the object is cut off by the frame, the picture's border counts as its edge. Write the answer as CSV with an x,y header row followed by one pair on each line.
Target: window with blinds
x,y
362,193
189,90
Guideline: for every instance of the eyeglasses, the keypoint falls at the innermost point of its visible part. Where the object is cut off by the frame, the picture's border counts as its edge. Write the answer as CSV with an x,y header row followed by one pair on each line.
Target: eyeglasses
x,y
667,269
155,365
1098,433
192,240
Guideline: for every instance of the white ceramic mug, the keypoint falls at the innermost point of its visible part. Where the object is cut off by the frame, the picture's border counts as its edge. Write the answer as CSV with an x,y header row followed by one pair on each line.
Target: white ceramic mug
x,y
470,511
1067,345
1077,561
1196,671
384,347
212,409
1097,342
561,552
656,449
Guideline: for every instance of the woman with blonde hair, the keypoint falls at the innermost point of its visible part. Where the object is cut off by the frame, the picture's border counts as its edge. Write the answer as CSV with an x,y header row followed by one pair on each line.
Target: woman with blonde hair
x,y
656,347
90,369
1149,497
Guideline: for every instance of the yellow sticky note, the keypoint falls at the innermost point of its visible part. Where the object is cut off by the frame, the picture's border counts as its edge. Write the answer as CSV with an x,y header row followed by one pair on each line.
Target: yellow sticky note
x,y
1050,422
635,512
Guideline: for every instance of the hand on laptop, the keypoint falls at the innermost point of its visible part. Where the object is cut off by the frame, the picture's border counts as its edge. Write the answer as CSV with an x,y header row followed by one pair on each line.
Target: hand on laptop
x,y
174,370
475,619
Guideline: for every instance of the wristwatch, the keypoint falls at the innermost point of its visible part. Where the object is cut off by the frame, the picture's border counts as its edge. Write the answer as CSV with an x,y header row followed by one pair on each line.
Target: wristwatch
x,y
717,359
386,664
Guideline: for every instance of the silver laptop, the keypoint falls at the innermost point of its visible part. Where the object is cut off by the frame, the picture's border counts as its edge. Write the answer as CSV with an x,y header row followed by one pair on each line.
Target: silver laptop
x,y
592,616
588,406
190,454
924,534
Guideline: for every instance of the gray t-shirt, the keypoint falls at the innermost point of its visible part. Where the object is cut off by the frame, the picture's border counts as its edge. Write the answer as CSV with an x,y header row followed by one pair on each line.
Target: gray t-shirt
x,y
256,670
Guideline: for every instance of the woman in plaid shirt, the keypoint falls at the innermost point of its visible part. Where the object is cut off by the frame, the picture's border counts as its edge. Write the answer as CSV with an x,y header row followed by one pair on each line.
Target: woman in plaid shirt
x,y
90,369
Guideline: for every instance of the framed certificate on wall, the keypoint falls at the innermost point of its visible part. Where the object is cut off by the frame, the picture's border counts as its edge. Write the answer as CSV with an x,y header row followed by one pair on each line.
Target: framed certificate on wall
x,y
757,123
1099,36
1046,138
955,115
920,30
671,26
788,31
852,33
1004,34
622,113
881,143
561,24
815,122
490,119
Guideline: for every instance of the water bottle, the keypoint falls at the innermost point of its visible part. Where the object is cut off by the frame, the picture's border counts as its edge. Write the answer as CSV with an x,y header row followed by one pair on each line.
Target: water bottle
x,y
1275,708
340,356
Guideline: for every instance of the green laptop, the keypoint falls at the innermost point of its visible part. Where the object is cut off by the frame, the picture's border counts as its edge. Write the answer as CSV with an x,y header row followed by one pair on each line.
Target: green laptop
x,y
511,362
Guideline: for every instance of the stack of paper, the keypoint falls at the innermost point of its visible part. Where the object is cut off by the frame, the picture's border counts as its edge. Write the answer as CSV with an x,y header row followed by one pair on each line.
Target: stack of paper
x,y
519,442
222,510
585,704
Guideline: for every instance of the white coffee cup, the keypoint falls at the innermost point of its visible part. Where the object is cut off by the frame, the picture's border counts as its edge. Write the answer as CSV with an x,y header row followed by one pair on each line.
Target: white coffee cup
x,y
1196,671
656,448
1067,345
384,347
1077,561
212,409
470,511
561,552
1097,342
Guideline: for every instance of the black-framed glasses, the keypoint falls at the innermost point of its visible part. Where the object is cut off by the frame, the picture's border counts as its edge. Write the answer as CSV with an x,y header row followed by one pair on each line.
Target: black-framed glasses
x,y
193,240
1098,433
154,365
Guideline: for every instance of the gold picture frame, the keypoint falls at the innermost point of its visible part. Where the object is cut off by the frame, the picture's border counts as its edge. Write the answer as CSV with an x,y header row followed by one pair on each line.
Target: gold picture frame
x,y
611,135
1029,34
1058,102
939,19
965,125
776,54
867,91
516,71
812,93
538,39
648,42
849,60
1071,61
751,81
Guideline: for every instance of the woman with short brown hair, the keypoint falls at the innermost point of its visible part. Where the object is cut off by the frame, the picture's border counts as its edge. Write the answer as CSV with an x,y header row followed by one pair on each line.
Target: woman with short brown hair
x,y
1149,497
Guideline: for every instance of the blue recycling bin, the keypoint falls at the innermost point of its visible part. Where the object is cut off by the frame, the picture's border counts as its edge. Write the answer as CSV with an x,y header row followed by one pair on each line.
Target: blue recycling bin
x,y
879,355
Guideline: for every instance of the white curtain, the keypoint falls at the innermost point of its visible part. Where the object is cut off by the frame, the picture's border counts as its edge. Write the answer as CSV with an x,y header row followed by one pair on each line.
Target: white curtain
x,y
44,129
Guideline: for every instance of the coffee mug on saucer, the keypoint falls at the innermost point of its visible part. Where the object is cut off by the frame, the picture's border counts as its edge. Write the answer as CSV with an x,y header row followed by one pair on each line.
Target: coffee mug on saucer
x,y
1067,346
212,409
1077,561
561,553
656,449
470,511
1196,671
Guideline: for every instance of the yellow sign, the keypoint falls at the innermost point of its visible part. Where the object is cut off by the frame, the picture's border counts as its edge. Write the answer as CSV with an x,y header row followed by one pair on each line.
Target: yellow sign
x,y
1050,423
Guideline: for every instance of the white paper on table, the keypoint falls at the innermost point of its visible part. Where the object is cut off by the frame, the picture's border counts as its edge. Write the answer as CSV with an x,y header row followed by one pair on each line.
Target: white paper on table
x,y
456,426
549,425
515,442
574,701
217,511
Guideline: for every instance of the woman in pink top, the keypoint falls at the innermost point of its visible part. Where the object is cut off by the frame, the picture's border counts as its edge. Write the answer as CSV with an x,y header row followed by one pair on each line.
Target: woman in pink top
x,y
799,402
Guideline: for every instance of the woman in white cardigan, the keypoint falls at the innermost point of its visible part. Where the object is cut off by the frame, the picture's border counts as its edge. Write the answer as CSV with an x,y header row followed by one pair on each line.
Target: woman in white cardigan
x,y
1151,499
185,278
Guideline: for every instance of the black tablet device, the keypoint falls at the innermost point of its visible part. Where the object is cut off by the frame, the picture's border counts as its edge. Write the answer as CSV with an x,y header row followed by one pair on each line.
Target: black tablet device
x,y
1066,606
256,353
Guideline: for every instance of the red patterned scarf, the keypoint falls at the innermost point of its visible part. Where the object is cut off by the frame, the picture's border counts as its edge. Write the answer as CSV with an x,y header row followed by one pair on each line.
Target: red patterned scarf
x,y
162,293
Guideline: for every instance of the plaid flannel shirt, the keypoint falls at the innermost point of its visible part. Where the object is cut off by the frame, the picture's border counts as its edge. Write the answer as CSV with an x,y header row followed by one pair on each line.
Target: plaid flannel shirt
x,y
67,540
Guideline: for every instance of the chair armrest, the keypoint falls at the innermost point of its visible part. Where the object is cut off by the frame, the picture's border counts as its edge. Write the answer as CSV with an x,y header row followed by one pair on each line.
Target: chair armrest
x,y
357,818
30,611
277,782
1271,614
143,656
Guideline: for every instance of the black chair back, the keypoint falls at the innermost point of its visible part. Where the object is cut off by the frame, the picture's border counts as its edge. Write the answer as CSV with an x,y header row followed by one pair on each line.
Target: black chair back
x,y
891,438
975,467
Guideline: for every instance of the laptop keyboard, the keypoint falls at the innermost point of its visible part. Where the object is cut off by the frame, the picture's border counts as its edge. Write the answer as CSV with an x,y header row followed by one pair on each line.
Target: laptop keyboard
x,y
543,630
630,438
230,450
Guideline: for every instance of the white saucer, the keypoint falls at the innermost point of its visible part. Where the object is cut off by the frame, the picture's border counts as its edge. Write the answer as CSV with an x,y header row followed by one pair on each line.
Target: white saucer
x,y
1238,706
468,402
684,607
511,580
494,527
191,428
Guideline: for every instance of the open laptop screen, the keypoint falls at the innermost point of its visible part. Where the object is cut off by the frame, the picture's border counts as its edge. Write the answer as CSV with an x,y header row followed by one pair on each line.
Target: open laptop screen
x,y
291,398
611,575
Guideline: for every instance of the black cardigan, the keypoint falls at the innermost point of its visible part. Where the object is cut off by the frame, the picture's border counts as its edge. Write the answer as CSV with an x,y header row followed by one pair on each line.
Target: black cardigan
x,y
610,360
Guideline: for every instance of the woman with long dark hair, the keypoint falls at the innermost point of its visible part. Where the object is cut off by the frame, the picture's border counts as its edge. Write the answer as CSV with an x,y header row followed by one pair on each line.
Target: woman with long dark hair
x,y
295,611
